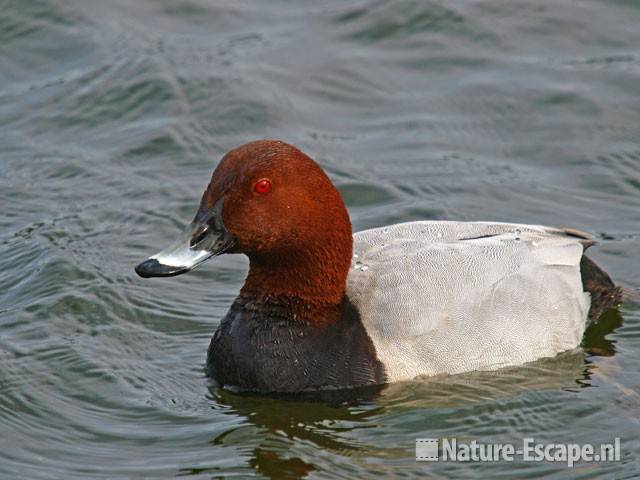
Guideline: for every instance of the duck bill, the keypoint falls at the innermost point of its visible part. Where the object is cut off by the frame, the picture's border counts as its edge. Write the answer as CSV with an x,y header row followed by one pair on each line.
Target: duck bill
x,y
205,237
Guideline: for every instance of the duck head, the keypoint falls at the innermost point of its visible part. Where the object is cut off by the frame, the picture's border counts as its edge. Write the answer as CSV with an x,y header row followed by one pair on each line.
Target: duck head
x,y
271,202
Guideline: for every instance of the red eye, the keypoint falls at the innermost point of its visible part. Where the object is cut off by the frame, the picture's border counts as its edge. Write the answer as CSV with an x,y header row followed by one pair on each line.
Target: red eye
x,y
263,186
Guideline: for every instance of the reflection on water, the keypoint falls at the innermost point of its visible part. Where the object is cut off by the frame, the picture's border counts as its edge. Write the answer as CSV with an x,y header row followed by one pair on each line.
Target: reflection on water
x,y
595,338
113,115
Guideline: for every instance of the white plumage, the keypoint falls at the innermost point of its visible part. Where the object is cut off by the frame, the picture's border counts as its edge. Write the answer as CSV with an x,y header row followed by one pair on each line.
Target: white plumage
x,y
442,297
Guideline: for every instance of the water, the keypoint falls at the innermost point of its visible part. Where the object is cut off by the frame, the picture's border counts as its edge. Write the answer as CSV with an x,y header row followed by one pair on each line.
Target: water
x,y
113,115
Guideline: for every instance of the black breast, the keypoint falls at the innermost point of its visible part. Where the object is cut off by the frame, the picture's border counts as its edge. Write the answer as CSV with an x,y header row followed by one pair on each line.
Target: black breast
x,y
262,348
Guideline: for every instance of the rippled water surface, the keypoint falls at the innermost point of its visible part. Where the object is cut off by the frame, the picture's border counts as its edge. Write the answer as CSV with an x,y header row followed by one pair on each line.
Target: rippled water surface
x,y
113,115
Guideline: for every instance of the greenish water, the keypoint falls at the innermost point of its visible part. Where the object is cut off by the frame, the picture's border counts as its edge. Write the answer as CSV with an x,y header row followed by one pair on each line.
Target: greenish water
x,y
114,113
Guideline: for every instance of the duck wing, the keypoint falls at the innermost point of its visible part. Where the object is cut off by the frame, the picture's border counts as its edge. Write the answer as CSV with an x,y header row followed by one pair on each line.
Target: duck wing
x,y
439,297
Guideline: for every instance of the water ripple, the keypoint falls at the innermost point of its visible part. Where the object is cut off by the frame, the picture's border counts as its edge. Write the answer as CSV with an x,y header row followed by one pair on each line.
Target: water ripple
x,y
113,115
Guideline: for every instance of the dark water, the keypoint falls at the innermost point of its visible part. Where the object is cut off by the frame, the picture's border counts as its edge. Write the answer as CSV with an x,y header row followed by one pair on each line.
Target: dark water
x,y
114,113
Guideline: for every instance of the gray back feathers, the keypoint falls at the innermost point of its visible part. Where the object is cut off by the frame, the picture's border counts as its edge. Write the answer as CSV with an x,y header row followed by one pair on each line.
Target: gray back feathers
x,y
447,297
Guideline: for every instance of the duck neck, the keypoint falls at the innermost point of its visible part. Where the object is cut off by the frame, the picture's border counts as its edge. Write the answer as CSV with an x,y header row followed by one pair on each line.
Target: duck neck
x,y
310,285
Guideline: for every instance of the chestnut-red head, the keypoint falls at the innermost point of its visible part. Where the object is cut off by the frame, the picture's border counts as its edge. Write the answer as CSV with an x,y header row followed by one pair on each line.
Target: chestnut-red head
x,y
270,201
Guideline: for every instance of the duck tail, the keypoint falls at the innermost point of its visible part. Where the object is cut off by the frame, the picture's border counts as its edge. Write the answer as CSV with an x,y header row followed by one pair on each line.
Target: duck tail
x,y
629,295
604,293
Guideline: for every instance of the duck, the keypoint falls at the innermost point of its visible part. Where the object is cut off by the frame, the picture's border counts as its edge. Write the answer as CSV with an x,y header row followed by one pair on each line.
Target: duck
x,y
323,308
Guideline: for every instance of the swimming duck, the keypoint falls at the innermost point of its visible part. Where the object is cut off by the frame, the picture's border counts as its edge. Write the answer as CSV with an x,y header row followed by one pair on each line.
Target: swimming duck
x,y
322,308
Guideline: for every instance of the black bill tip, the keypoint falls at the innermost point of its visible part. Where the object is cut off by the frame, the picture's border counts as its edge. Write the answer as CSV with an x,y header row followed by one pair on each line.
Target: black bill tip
x,y
153,268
